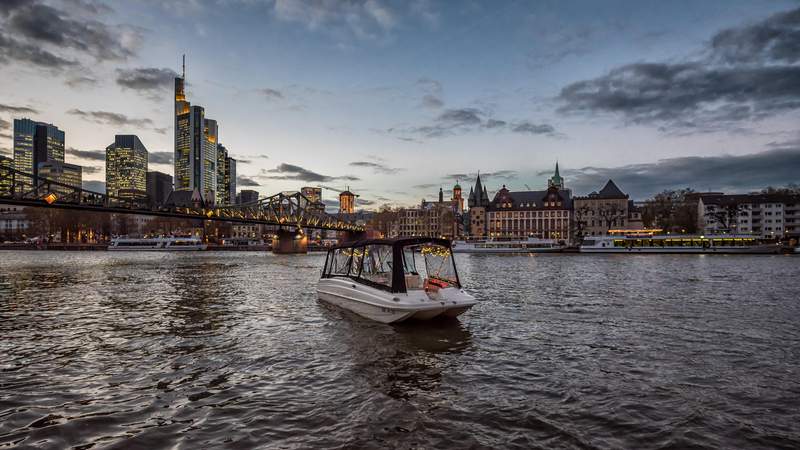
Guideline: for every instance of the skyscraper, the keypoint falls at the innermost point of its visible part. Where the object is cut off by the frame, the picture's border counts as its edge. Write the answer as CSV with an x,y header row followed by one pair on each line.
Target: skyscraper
x,y
61,172
247,196
35,143
226,177
6,181
159,185
195,146
126,167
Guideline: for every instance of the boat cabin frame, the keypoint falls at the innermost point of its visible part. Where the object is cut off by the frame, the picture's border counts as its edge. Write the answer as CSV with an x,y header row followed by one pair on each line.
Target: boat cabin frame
x,y
391,253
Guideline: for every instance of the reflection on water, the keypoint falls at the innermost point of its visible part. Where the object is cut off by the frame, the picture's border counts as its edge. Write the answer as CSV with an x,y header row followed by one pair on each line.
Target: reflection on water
x,y
234,350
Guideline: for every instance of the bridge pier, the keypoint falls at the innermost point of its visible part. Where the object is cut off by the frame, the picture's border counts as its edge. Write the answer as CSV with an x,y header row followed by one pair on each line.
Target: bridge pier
x,y
289,242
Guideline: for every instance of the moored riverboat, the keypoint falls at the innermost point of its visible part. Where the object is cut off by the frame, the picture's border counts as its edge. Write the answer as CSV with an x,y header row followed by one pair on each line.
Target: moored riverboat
x,y
711,244
392,280
503,246
157,244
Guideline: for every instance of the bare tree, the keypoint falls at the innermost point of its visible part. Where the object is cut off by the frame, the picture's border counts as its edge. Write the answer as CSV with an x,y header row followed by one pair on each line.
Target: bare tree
x,y
580,222
726,216
610,213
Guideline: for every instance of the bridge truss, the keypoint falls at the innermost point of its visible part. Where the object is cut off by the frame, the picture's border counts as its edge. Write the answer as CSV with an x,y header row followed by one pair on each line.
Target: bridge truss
x,y
286,209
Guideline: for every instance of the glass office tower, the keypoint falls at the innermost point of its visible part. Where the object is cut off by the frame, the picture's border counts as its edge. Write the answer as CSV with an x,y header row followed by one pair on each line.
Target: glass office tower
x,y
126,166
35,143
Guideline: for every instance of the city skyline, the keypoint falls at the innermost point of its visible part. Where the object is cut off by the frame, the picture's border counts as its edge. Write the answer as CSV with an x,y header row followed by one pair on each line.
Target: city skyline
x,y
396,102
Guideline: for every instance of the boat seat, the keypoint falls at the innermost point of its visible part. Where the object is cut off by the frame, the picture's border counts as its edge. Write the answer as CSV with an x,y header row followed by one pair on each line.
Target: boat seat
x,y
413,281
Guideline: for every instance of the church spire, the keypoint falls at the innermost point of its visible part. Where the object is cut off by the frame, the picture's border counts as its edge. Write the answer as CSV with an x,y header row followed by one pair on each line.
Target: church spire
x,y
556,181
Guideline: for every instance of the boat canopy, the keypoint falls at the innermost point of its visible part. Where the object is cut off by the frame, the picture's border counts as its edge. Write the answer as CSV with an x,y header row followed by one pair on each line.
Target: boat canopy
x,y
390,264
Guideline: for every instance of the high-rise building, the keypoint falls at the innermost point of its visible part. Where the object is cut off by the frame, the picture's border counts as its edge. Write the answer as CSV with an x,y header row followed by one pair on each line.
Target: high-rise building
x,y
226,177
126,166
159,185
247,196
35,143
313,194
61,172
347,202
195,146
6,178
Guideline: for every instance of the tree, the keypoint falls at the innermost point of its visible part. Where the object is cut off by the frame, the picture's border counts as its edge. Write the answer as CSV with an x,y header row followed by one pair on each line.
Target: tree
x,y
726,216
671,210
580,222
611,214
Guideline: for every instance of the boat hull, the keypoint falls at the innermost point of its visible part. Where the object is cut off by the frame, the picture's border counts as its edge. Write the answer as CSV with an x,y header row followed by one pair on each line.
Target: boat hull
x,y
386,307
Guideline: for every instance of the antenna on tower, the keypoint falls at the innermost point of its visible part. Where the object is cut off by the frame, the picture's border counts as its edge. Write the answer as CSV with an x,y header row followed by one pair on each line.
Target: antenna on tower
x,y
183,67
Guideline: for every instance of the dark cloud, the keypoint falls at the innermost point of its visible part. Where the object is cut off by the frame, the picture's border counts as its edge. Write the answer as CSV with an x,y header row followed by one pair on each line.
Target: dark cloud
x,y
504,174
89,170
464,120
433,91
13,51
292,172
164,158
377,167
245,181
424,186
533,128
95,186
41,24
724,173
89,155
17,109
149,80
4,124
111,118
748,73
775,39
271,94
81,82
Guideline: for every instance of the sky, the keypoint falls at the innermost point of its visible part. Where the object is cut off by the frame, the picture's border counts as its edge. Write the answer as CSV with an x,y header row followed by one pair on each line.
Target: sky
x,y
395,99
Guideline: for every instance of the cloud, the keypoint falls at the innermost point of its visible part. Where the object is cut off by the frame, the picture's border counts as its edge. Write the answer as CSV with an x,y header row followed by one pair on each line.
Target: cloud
x,y
433,91
293,172
504,174
727,173
17,109
39,24
4,124
164,158
111,118
89,170
89,155
464,120
364,19
245,181
81,82
14,51
377,167
148,80
424,186
271,94
747,73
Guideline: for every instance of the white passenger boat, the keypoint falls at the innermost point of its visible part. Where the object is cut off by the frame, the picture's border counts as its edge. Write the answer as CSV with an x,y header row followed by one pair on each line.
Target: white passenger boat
x,y
496,246
391,280
157,244
719,243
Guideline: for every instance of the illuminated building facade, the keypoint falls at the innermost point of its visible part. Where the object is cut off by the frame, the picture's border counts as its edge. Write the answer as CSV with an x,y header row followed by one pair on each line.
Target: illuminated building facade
x,y
5,185
226,177
126,167
35,143
458,200
608,209
61,172
195,146
347,202
159,186
314,196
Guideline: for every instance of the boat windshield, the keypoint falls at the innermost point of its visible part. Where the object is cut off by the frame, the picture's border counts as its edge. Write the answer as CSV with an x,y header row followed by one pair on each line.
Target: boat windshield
x,y
439,264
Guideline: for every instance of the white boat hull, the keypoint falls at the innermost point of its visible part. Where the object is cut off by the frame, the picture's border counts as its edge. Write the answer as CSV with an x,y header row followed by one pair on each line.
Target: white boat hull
x,y
762,249
498,251
386,307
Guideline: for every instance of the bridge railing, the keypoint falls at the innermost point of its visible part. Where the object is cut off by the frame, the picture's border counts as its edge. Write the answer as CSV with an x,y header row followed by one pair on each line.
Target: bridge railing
x,y
283,209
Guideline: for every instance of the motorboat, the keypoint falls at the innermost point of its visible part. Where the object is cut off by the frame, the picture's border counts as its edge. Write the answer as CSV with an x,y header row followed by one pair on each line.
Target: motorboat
x,y
503,246
169,243
710,244
392,280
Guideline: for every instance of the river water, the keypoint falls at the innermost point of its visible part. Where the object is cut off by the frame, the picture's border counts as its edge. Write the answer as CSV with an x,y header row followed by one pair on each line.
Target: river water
x,y
233,350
